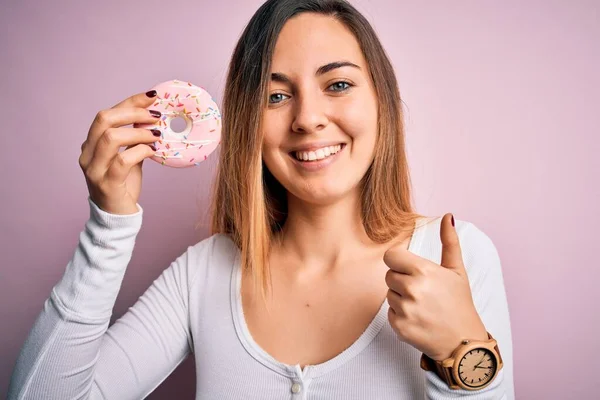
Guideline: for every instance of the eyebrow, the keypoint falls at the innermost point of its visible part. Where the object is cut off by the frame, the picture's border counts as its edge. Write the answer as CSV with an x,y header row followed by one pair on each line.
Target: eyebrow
x,y
282,78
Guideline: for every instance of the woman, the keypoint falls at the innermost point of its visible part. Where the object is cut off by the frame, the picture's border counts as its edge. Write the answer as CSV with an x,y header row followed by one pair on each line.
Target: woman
x,y
319,282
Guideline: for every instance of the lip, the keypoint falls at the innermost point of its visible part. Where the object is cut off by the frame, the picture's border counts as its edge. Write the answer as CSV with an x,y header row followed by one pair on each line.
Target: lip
x,y
315,146
317,165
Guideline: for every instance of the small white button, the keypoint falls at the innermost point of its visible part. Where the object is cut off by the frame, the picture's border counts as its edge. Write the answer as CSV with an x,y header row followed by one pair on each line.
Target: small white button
x,y
296,388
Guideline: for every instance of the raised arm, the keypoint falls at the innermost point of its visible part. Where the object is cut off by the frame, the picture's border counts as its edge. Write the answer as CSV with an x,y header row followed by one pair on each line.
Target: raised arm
x,y
484,269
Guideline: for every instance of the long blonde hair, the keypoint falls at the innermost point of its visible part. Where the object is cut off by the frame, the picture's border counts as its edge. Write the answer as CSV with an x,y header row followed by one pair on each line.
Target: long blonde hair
x,y
248,203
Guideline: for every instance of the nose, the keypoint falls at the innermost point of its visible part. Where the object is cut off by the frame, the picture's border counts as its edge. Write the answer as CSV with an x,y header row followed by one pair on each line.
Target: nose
x,y
310,113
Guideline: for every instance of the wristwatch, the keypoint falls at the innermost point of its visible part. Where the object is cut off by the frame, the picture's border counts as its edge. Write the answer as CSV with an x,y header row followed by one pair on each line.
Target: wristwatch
x,y
473,365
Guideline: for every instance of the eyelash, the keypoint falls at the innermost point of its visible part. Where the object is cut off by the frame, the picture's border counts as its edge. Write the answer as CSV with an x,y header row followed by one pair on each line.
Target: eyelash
x,y
334,83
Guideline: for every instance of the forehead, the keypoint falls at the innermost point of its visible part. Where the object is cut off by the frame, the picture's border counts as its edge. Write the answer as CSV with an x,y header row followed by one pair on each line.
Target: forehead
x,y
310,40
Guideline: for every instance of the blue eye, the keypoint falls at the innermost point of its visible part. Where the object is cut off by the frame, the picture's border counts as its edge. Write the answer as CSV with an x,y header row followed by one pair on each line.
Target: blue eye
x,y
339,87
273,95
342,89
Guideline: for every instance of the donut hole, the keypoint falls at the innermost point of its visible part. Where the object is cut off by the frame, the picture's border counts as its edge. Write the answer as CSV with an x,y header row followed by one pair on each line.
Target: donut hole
x,y
178,124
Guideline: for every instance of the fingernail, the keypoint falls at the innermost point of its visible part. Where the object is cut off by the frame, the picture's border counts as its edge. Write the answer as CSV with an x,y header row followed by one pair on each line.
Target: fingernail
x,y
155,114
155,132
151,93
153,147
453,220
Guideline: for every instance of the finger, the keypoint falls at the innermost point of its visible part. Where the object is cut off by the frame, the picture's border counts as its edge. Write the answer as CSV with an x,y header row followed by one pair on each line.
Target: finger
x,y
114,138
402,260
395,302
451,251
114,118
124,161
399,283
104,118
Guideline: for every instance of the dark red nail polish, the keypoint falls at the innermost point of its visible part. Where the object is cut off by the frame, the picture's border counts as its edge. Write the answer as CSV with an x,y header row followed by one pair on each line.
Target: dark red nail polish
x,y
155,132
155,114
453,220
151,93
153,147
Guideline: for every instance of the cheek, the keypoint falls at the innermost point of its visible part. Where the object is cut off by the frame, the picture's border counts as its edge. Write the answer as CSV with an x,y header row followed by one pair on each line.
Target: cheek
x,y
271,149
271,140
274,134
359,120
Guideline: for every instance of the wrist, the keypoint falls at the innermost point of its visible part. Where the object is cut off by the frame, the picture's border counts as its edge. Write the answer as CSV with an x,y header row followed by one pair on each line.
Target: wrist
x,y
478,333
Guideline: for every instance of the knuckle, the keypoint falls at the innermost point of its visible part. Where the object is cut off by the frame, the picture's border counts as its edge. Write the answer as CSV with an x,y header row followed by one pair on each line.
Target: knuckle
x,y
109,136
419,283
422,269
122,160
411,292
82,163
101,117
418,290
91,174
407,310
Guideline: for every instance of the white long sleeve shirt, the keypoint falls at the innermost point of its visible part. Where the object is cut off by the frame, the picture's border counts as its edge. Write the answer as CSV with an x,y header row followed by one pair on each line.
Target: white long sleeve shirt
x,y
194,307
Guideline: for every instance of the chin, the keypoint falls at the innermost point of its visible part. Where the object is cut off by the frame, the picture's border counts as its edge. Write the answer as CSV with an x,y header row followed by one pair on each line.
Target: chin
x,y
322,193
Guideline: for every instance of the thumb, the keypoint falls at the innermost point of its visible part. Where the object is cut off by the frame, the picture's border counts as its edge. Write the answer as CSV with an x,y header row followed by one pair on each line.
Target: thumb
x,y
451,251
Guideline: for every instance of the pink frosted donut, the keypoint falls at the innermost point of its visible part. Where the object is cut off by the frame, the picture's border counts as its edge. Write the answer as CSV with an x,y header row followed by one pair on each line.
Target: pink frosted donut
x,y
190,124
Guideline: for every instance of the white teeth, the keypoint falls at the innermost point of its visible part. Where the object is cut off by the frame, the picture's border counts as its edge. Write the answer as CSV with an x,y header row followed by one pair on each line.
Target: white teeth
x,y
319,154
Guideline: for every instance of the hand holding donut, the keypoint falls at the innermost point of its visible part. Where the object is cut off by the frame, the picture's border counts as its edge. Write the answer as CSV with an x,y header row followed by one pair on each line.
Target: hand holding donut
x,y
431,306
114,179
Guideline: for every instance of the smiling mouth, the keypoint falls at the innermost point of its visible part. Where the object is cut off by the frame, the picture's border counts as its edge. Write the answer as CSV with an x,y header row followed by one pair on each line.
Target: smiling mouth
x,y
317,155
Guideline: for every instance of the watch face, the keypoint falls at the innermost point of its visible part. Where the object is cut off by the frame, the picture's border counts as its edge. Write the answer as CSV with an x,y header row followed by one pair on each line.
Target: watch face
x,y
477,367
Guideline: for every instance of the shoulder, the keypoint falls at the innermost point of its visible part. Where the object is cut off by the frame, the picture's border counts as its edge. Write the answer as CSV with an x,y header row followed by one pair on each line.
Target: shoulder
x,y
207,257
214,250
215,246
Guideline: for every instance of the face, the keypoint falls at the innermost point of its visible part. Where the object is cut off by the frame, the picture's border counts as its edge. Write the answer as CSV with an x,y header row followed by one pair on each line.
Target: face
x,y
320,125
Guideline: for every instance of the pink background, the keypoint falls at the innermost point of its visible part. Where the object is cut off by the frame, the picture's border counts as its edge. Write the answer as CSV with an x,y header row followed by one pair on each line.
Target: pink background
x,y
502,123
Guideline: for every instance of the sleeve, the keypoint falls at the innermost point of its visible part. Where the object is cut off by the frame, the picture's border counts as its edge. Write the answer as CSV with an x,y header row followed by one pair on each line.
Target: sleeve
x,y
71,353
489,296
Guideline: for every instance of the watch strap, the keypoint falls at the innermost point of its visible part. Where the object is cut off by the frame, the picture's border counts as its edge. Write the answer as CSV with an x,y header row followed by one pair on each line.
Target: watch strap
x,y
445,373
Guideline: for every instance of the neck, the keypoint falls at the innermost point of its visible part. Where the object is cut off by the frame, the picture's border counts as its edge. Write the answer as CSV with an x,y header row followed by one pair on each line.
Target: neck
x,y
322,238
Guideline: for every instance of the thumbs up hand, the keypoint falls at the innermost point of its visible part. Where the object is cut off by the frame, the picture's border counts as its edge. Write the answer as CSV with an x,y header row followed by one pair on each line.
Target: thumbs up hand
x,y
431,306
